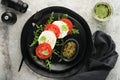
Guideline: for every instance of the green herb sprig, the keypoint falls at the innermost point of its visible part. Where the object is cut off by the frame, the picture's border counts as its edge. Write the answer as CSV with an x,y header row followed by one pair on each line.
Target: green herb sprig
x,y
62,16
57,53
75,31
60,42
35,57
65,16
36,34
48,64
51,18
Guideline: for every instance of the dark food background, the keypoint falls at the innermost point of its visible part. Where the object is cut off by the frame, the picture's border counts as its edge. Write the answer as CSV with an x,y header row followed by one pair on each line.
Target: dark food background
x,y
10,54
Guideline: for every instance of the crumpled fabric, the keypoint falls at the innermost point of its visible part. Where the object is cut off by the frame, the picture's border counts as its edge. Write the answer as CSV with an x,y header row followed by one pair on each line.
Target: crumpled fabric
x,y
102,60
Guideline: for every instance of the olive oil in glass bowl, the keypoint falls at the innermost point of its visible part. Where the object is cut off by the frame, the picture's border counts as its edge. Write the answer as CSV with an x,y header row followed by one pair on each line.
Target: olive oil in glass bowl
x,y
102,11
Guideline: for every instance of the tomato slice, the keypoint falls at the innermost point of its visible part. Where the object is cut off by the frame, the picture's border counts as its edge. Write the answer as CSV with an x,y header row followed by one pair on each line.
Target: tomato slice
x,y
44,51
54,28
69,24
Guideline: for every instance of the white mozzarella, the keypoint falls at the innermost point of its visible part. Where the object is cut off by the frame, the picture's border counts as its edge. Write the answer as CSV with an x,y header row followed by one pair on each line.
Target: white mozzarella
x,y
63,28
49,37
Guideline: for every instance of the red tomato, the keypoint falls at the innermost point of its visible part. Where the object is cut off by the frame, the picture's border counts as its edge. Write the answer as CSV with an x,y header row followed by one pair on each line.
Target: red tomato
x,y
69,24
54,28
44,51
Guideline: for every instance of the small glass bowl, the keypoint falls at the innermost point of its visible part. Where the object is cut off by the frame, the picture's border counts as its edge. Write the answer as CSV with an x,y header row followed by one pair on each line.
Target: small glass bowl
x,y
100,7
76,51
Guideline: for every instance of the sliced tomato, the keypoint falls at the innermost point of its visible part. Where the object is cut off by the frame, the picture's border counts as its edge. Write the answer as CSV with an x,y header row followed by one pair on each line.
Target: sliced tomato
x,y
54,28
44,51
69,24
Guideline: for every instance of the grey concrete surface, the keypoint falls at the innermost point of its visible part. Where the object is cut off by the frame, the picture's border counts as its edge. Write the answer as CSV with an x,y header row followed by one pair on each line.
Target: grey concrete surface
x,y
10,54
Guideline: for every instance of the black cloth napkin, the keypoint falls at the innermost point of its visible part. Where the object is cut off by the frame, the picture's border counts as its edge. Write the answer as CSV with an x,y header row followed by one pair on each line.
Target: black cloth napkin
x,y
101,61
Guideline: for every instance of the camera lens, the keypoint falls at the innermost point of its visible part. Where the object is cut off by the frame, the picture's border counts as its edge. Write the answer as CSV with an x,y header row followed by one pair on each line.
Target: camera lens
x,y
16,4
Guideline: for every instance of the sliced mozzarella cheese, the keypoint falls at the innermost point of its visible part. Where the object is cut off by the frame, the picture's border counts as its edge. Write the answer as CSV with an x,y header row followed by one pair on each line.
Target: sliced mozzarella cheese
x,y
49,37
63,28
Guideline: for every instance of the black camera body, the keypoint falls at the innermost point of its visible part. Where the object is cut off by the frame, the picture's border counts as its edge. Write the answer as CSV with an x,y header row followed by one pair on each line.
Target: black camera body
x,y
16,4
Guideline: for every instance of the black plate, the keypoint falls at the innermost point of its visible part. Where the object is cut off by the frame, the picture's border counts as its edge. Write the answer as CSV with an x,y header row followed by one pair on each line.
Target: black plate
x,y
62,69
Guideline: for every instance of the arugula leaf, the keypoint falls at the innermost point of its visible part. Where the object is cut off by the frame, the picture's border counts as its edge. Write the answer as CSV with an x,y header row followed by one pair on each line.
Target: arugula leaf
x,y
56,52
35,57
51,18
60,42
62,16
36,34
60,60
58,16
48,64
75,31
65,16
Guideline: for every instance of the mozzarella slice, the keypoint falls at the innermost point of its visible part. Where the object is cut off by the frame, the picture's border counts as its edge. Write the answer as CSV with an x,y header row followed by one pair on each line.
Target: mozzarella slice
x,y
49,37
63,28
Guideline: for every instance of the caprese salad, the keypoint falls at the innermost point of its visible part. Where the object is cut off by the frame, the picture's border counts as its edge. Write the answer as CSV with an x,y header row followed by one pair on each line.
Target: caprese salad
x,y
47,39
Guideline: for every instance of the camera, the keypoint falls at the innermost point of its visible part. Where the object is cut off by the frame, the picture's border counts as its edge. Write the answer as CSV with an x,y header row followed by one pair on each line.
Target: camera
x,y
16,4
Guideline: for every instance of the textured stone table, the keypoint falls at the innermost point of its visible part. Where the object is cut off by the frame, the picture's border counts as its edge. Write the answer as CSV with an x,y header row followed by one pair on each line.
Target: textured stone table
x,y
10,54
